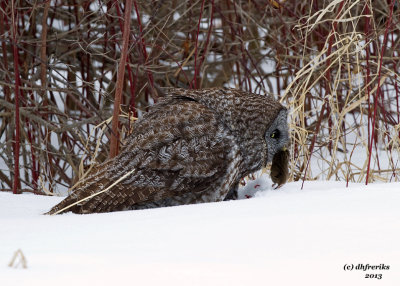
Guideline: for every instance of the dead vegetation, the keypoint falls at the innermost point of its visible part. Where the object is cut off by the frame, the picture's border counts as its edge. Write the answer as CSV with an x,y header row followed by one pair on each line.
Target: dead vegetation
x,y
334,63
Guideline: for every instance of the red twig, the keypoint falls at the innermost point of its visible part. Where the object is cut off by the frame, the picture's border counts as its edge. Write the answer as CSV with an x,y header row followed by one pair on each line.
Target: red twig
x,y
131,76
378,90
120,79
17,94
196,47
368,78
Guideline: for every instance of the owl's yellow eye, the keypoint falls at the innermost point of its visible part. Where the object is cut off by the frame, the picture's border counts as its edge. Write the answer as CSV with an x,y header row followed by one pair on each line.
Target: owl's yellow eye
x,y
275,134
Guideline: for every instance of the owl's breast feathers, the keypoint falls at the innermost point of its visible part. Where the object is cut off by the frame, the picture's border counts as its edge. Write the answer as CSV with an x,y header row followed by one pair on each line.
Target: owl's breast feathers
x,y
192,146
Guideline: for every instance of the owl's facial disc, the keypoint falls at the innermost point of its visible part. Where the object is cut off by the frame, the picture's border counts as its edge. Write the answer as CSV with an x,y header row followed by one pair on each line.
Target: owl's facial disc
x,y
277,134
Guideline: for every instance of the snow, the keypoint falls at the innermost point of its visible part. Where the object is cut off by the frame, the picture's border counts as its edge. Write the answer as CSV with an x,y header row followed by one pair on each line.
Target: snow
x,y
277,237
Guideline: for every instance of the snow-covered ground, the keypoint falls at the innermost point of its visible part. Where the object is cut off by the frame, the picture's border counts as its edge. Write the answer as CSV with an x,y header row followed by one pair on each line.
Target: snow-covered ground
x,y
278,237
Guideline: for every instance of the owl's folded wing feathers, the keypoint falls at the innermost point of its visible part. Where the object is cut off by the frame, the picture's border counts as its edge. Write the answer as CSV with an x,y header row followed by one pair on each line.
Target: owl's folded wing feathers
x,y
177,149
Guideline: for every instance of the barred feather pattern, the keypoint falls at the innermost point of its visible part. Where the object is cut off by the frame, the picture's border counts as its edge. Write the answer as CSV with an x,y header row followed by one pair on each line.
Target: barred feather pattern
x,y
193,146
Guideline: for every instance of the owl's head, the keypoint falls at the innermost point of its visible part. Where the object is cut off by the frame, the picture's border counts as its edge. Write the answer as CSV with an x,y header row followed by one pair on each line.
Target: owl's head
x,y
277,135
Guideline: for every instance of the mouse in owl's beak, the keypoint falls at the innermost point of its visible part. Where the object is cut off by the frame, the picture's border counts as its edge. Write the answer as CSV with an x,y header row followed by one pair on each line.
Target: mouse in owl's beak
x,y
280,168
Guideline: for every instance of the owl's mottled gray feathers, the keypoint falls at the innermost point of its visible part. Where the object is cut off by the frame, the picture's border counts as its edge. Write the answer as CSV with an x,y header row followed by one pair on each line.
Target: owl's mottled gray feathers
x,y
192,146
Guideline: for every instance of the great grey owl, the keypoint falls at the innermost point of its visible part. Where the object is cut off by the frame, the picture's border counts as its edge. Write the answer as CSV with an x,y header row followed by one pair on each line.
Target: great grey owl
x,y
193,146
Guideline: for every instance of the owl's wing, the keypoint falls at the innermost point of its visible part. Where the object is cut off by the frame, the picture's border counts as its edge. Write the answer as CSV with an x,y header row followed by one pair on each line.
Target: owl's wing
x,y
177,149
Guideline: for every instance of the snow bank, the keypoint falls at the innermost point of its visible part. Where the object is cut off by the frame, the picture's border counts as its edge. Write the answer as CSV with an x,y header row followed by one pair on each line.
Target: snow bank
x,y
278,237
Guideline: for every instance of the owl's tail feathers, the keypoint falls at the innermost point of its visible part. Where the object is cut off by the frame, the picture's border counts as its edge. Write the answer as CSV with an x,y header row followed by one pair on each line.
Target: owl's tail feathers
x,y
66,205
88,196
